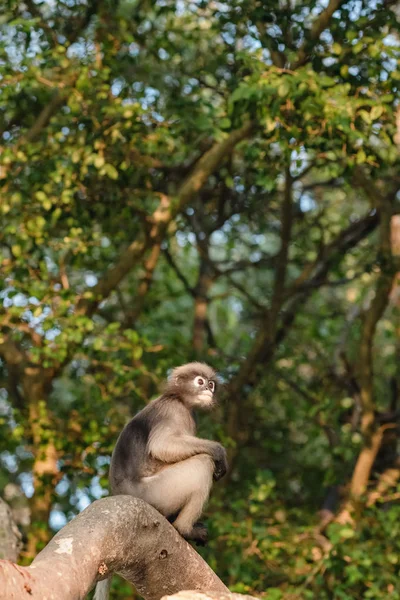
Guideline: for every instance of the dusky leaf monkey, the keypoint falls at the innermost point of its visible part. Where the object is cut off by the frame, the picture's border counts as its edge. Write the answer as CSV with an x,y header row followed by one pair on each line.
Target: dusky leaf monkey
x,y
159,458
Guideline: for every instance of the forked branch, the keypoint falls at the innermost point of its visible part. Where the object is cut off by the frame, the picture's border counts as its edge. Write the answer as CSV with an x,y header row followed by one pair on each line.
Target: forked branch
x,y
167,210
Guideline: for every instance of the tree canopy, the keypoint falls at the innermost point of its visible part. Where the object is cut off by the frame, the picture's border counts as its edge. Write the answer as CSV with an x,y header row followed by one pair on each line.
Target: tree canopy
x,y
215,181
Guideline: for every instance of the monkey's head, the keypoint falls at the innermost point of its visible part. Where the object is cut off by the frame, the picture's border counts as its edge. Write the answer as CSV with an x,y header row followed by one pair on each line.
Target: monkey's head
x,y
195,384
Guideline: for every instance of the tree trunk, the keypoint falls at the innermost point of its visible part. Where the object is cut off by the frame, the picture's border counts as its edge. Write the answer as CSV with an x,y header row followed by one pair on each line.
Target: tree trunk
x,y
45,468
200,307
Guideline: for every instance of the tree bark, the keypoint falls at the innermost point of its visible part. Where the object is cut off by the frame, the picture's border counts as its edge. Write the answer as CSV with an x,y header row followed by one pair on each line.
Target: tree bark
x,y
118,534
370,318
10,536
193,595
201,291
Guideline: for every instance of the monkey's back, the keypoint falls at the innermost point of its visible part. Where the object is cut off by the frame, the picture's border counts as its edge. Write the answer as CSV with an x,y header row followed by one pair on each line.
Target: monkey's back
x,y
130,460
127,457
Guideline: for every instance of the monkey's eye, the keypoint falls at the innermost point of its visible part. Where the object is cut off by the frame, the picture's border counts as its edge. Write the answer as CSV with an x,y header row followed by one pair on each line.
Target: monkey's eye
x,y
199,381
211,386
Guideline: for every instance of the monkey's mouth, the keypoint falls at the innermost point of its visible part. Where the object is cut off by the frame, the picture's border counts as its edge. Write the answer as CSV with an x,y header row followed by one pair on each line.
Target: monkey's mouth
x,y
206,396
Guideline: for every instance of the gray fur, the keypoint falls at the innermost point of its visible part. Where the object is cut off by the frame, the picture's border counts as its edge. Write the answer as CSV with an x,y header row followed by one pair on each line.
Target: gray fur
x,y
163,432
158,457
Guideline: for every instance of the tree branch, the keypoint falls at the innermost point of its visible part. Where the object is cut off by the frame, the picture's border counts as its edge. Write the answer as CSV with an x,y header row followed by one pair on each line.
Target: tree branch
x,y
36,13
178,272
41,122
149,267
265,344
167,210
194,595
319,25
84,21
118,534
282,258
11,352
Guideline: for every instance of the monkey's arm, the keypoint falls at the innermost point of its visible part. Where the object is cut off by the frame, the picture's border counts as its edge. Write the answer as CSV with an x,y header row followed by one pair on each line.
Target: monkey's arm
x,y
169,446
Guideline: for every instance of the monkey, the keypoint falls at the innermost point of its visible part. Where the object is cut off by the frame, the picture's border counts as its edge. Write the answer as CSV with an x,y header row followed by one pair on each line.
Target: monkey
x,y
159,459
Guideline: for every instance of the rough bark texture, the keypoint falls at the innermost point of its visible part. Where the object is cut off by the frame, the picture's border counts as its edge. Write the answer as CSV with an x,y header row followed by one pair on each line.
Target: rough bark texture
x,y
193,595
118,534
10,537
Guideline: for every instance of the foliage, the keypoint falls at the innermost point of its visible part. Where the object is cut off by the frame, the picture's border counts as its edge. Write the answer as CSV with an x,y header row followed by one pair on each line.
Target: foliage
x,y
218,181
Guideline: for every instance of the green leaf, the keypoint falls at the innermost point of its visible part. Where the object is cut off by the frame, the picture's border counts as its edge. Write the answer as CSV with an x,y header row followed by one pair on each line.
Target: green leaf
x,y
41,196
111,171
225,123
376,112
99,162
284,88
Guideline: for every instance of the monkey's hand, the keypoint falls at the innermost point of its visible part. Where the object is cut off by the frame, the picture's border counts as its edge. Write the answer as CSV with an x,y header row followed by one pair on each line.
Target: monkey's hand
x,y
220,462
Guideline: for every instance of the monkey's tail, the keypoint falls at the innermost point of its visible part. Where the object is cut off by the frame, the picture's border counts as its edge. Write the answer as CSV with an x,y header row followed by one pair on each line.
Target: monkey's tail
x,y
103,590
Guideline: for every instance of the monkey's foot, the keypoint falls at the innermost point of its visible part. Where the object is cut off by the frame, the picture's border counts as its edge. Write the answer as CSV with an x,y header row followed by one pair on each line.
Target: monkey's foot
x,y
198,535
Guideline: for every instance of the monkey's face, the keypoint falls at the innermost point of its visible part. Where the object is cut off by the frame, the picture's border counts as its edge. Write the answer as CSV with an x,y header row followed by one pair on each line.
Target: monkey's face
x,y
195,383
203,391
198,391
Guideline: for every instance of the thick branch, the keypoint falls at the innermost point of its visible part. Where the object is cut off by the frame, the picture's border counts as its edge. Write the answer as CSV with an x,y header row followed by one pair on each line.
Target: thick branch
x,y
370,319
118,534
374,313
201,301
209,162
312,277
168,209
283,254
149,267
41,122
319,25
178,272
36,13
265,344
10,352
79,27
347,239
193,595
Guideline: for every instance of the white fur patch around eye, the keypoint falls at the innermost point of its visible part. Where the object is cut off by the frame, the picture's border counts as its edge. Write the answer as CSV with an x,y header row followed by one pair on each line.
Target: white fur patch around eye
x,y
199,381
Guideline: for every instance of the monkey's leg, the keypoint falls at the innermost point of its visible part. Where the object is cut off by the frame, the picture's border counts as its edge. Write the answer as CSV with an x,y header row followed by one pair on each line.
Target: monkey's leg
x,y
182,488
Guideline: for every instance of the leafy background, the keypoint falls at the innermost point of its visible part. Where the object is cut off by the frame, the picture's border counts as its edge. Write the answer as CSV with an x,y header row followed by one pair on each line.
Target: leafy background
x,y
215,181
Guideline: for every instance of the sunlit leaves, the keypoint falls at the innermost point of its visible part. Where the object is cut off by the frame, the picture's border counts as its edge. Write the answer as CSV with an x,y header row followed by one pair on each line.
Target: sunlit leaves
x,y
100,123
